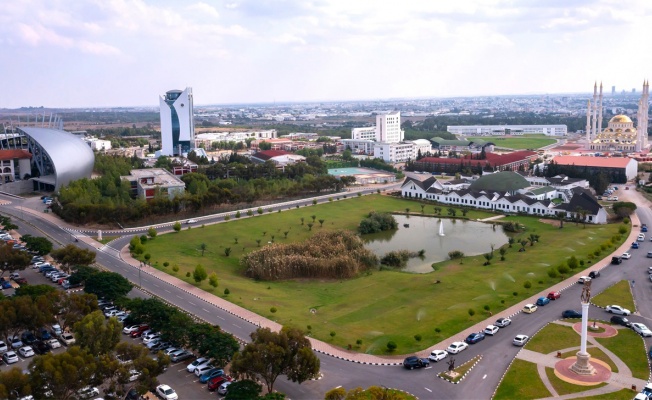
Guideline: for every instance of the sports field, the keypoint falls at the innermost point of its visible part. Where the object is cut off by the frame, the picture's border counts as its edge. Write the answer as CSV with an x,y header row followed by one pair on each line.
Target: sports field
x,y
382,305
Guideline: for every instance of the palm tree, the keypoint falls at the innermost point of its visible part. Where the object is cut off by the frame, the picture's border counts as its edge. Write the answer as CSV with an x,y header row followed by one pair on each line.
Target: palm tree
x,y
203,246
532,238
321,223
422,207
502,252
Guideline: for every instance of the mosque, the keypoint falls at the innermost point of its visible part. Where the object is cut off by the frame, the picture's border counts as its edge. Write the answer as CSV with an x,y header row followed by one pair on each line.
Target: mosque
x,y
620,136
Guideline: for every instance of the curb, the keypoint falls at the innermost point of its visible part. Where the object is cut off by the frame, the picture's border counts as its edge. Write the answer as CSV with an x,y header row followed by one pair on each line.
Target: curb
x,y
479,357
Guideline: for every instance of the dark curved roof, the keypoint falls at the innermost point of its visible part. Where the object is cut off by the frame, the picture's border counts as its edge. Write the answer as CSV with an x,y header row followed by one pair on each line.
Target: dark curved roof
x,y
71,157
507,181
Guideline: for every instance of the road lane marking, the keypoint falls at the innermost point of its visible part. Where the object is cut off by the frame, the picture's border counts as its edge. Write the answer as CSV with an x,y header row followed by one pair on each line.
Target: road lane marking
x,y
237,326
485,375
179,297
155,284
428,390
427,367
205,310
167,290
220,317
192,303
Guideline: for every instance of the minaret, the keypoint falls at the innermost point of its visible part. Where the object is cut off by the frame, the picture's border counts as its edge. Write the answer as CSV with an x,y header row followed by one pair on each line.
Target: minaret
x,y
600,111
645,100
588,124
595,111
639,123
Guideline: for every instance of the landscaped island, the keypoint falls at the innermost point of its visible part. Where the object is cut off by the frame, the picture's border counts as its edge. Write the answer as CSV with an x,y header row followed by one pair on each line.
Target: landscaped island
x,y
377,306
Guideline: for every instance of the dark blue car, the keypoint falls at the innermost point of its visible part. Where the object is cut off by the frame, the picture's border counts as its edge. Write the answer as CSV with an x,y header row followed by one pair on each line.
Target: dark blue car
x,y
474,338
6,284
542,301
635,245
206,376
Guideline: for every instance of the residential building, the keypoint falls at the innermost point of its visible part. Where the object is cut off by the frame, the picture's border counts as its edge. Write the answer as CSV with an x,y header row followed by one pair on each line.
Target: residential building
x,y
147,183
14,165
177,122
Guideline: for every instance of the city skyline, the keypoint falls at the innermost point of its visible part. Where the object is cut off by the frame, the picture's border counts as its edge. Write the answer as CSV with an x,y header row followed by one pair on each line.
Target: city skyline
x,y
124,53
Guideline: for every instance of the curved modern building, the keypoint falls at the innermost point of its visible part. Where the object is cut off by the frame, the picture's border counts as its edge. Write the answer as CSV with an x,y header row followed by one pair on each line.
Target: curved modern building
x,y
58,157
177,122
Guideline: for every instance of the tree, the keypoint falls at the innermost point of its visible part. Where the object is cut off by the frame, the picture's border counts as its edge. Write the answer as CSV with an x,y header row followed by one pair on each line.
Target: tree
x,y
14,382
199,274
35,291
72,255
12,260
212,279
271,354
62,374
40,245
108,285
71,308
502,252
177,226
243,390
96,334
321,224
151,232
82,273
212,342
203,246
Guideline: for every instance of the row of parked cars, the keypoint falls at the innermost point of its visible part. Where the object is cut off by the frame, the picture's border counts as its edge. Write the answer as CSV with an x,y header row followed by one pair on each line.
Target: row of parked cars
x,y
29,343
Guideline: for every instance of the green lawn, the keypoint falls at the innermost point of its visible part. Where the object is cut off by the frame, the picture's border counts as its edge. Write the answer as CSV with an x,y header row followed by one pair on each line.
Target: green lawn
x,y
521,382
619,294
382,305
562,387
629,347
518,142
622,394
553,337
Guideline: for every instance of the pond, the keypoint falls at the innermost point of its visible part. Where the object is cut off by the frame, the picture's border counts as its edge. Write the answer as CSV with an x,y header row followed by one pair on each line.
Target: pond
x,y
417,233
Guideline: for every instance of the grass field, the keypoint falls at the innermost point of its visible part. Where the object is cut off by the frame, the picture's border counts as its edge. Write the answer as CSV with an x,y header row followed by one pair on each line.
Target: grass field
x,y
521,382
553,337
629,347
618,294
518,142
623,394
382,305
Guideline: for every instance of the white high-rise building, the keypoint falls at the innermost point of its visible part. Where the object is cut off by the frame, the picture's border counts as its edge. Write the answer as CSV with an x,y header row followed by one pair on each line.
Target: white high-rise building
x,y
387,129
177,122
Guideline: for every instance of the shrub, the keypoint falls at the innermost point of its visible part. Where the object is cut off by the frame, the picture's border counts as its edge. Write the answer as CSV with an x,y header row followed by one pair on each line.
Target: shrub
x,y
437,330
143,239
226,217
175,268
455,254
260,210
471,312
396,259
227,292
563,269
515,293
622,230
553,273
177,226
330,199
188,274
314,202
237,214
332,334
359,194
572,263
377,222
358,342
273,310
391,346
486,307
309,327
166,264
527,284
250,213
417,337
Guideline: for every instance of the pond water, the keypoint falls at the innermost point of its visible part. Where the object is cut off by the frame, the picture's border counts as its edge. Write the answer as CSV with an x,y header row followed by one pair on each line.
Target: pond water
x,y
470,237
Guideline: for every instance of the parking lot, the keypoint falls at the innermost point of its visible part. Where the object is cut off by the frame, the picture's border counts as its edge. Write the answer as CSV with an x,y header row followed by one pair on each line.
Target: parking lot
x,y
176,376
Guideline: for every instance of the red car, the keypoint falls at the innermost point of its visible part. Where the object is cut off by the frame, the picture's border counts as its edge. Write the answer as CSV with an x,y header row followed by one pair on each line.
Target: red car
x,y
214,383
139,332
554,295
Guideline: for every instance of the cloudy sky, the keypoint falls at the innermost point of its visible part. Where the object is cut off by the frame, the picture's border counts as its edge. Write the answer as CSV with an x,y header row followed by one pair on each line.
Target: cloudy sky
x,y
93,53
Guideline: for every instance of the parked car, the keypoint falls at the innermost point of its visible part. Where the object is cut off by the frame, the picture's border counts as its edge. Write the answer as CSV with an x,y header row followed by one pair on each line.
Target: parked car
x,y
619,320
200,361
6,284
223,388
583,279
180,355
88,392
634,246
139,332
191,221
10,357
594,274
56,330
617,260
413,362
216,382
133,375
530,308
456,347
159,346
131,328
437,355
43,334
21,281
26,351
41,347
542,301
502,322
166,392
3,347
649,254
203,378
553,295
627,256
520,340
53,343
15,342
491,330
475,337
151,336
641,329
67,338
201,369
571,314
641,237
614,309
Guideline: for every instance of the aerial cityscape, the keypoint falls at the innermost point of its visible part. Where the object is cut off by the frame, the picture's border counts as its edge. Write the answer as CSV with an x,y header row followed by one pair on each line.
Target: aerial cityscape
x,y
325,200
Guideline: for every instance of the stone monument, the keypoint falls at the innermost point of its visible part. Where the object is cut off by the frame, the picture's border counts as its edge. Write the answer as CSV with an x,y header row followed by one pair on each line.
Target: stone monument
x,y
582,366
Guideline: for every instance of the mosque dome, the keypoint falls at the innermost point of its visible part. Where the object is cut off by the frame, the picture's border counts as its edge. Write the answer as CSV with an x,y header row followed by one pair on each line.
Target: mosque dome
x,y
620,119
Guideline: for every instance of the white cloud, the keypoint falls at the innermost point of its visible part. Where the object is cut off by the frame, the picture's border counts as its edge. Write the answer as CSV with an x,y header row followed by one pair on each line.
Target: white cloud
x,y
204,9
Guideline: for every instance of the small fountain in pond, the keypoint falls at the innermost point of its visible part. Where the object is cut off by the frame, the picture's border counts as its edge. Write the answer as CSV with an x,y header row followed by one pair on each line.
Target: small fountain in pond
x,y
441,228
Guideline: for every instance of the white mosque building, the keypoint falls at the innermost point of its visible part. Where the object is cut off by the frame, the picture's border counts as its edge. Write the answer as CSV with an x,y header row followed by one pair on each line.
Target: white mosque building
x,y
620,135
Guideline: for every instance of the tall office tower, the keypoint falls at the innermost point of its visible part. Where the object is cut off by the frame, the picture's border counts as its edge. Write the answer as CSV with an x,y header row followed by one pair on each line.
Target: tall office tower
x,y
388,128
613,90
177,122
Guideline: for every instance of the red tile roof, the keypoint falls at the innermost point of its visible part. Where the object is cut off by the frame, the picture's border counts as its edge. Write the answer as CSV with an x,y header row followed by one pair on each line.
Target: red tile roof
x,y
268,154
606,162
14,153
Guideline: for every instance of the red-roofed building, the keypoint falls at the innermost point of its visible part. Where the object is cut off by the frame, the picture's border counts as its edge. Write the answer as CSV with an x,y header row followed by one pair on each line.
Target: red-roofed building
x,y
14,164
279,157
499,162
609,165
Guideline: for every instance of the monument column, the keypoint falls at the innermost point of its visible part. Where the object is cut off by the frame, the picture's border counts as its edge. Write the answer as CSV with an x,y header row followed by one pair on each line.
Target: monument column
x,y
582,366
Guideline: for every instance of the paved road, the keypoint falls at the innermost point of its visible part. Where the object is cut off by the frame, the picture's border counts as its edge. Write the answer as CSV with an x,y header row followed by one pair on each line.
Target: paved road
x,y
497,351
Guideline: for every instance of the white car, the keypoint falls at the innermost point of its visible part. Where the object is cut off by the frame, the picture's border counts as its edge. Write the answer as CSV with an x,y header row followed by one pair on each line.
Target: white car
x,y
224,388
166,392
67,338
200,369
3,347
491,330
200,361
502,322
614,309
148,338
626,256
437,355
641,329
128,329
88,392
10,357
191,221
520,340
133,375
53,344
583,279
641,237
456,347
26,351
15,342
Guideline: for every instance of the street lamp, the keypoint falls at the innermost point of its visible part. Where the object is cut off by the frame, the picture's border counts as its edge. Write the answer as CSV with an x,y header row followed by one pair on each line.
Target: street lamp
x,y
140,284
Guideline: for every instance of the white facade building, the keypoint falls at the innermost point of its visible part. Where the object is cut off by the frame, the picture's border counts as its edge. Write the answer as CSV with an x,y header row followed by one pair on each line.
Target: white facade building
x,y
501,130
366,133
394,152
422,145
177,122
387,129
98,144
359,146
